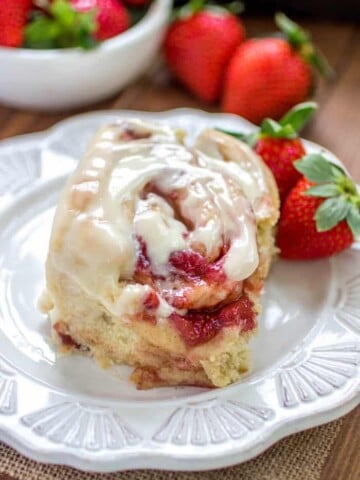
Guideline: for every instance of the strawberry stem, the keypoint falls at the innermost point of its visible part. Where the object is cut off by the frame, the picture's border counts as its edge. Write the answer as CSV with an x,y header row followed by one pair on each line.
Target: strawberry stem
x,y
249,138
300,40
234,7
196,5
287,127
299,115
60,26
291,123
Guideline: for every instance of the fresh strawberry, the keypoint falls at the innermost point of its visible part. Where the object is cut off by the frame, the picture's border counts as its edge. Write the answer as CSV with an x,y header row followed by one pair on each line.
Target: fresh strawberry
x,y
112,17
321,215
279,146
279,154
198,47
267,76
13,17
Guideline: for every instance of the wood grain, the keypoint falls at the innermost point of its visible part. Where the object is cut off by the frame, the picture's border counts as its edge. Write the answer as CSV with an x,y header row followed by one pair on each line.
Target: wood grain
x,y
337,126
343,462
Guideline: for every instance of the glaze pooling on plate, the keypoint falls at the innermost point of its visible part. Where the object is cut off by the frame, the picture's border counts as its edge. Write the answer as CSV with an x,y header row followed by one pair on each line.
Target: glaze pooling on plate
x,y
319,324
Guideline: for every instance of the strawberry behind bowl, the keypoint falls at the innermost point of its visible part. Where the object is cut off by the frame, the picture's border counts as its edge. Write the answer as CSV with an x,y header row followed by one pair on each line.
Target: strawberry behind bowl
x,y
267,76
199,45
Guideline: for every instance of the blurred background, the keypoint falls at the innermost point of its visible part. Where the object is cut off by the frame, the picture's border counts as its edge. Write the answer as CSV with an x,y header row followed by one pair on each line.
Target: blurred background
x,y
125,60
317,9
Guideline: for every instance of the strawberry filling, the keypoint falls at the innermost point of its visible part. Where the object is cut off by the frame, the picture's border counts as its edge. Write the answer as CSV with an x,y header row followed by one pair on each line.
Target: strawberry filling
x,y
197,327
66,339
143,262
151,300
193,278
195,265
189,262
194,284
128,134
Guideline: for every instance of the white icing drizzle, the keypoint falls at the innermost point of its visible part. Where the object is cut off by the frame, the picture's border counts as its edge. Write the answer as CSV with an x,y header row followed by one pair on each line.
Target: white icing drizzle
x,y
154,222
170,196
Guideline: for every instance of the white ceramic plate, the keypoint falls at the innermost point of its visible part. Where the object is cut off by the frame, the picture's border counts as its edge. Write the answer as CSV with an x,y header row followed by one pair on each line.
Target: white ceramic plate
x,y
69,411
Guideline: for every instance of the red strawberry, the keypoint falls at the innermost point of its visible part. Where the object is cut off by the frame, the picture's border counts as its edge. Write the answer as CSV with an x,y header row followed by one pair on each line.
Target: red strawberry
x,y
267,76
321,215
112,16
198,48
13,17
279,146
279,154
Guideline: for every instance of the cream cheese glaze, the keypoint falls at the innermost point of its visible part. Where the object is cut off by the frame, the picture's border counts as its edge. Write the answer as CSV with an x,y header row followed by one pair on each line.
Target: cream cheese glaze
x,y
138,180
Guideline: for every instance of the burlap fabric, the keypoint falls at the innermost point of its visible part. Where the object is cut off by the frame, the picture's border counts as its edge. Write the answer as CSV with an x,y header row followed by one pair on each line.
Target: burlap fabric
x,y
299,457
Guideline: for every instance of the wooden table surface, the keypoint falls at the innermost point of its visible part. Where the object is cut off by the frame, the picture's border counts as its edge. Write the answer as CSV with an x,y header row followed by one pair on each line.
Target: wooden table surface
x,y
336,126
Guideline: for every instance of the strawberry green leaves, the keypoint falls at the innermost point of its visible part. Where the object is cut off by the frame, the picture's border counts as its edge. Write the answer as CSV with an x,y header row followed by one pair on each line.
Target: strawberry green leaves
x,y
342,200
287,127
316,168
353,220
331,212
294,33
274,129
299,115
249,138
291,123
61,27
301,41
192,7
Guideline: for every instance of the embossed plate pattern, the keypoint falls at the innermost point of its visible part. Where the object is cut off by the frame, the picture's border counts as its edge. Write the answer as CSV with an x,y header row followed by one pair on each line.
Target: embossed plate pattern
x,y
67,410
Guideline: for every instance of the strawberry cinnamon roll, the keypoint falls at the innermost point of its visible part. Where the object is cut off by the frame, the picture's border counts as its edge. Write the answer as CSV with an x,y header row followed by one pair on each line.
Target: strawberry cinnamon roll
x,y
159,252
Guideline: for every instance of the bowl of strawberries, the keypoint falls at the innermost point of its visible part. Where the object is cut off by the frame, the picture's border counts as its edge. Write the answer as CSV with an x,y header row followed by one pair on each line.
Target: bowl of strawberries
x,y
62,54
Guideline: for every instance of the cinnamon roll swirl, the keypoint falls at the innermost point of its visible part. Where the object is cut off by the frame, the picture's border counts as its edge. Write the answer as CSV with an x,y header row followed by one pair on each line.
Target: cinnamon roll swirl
x,y
159,252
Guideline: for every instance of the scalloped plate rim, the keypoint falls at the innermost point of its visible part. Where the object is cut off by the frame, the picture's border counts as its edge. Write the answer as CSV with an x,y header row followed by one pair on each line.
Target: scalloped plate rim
x,y
146,456
149,459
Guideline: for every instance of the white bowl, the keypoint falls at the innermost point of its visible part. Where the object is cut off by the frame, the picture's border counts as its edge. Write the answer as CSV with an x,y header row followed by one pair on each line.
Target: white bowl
x,y
64,79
